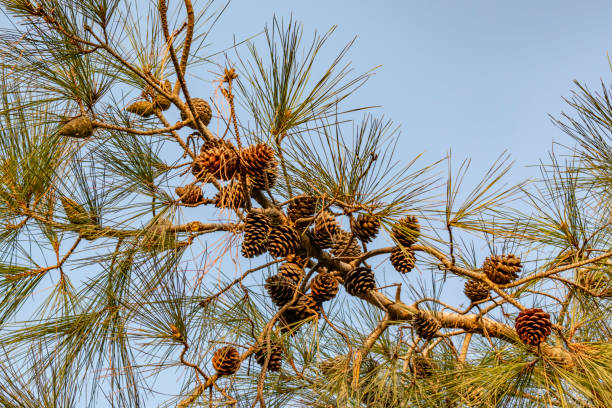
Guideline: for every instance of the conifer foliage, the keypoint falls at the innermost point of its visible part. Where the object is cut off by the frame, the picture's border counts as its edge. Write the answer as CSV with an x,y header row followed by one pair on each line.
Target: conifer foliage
x,y
228,225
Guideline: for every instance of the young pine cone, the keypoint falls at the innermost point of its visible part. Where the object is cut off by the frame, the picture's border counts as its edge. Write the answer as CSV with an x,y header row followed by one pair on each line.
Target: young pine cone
x,y
276,356
425,325
226,361
256,231
80,127
421,366
292,271
359,281
365,227
283,240
219,162
324,287
159,100
406,231
256,158
533,326
302,206
190,194
476,290
202,110
402,259
502,269
141,108
76,213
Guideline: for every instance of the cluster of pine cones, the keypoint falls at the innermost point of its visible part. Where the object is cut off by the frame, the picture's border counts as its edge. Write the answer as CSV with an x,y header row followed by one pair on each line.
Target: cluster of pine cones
x,y
500,269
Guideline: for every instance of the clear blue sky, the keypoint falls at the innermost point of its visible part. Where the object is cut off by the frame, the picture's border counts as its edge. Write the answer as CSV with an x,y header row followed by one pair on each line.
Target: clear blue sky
x,y
475,76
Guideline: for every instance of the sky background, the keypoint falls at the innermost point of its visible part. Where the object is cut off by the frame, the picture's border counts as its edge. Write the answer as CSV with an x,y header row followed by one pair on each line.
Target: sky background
x,y
474,77
477,77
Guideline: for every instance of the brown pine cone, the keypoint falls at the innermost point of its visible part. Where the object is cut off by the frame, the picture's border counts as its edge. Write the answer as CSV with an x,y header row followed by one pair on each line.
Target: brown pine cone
x,y
292,271
202,110
159,100
80,127
231,196
359,281
283,240
304,308
325,228
256,231
502,269
425,325
476,290
365,227
256,158
302,206
406,231
324,287
226,361
190,194
402,259
280,289
216,143
219,162
421,366
276,356
533,326
345,246
265,179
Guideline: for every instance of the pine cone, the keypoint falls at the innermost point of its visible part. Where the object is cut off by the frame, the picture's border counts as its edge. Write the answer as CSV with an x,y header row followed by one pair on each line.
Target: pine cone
x,y
402,259
502,269
230,196
265,180
283,240
597,281
159,100
76,213
421,366
202,110
256,231
476,290
276,356
216,143
302,206
280,289
219,162
141,108
226,361
305,307
190,194
406,231
359,281
324,287
533,326
325,228
365,227
345,246
425,325
292,271
80,127
256,158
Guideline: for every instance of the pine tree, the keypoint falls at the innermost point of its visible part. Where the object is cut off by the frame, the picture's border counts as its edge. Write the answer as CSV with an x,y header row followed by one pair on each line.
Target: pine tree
x,y
238,241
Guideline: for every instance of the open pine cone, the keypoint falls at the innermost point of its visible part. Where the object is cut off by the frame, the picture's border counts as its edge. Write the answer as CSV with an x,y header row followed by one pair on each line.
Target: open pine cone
x,y
406,231
402,259
359,281
325,228
324,287
280,289
190,194
256,231
219,162
226,361
533,326
256,158
425,325
231,196
302,206
345,246
476,290
265,179
365,227
292,271
283,240
276,356
502,269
